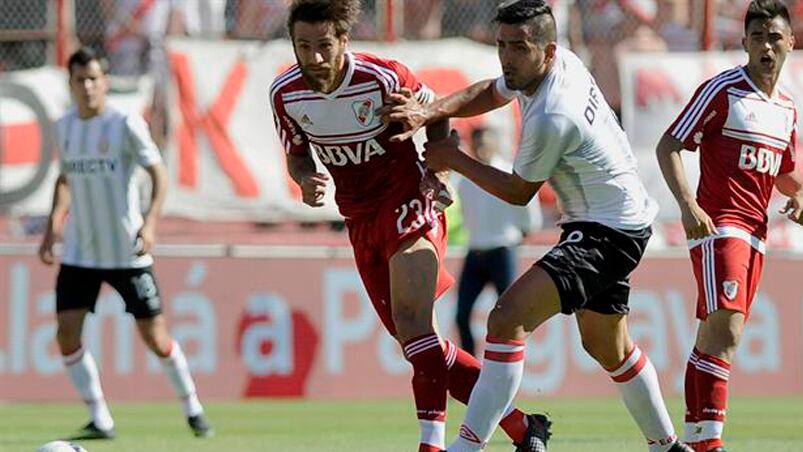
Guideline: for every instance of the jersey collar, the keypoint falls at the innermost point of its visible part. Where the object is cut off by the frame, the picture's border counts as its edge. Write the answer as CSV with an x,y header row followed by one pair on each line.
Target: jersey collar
x,y
758,91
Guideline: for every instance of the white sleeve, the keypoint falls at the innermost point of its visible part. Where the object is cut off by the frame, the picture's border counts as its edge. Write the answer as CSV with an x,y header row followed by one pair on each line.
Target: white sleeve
x,y
544,140
425,95
502,88
139,142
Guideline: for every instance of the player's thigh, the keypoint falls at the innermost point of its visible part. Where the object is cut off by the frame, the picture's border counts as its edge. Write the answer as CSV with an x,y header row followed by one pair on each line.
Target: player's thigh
x,y
77,288
372,266
727,271
139,290
413,277
527,303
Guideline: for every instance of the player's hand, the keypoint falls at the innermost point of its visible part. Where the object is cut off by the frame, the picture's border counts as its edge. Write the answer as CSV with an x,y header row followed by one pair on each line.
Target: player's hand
x,y
51,237
697,223
313,188
46,248
146,238
439,154
793,210
435,186
403,108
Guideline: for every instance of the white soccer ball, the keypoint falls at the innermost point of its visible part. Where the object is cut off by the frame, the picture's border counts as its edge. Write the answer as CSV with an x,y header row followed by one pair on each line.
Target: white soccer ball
x,y
60,446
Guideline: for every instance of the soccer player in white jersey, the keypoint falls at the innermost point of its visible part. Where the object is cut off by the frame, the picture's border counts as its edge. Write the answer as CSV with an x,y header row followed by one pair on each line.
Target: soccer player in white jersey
x,y
571,138
745,128
96,208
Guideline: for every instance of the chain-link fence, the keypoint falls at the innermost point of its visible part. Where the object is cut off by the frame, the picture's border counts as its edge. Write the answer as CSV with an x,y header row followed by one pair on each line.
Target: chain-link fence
x,y
27,33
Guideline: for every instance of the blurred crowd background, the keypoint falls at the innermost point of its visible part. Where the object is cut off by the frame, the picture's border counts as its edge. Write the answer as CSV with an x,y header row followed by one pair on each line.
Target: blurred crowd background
x,y
132,33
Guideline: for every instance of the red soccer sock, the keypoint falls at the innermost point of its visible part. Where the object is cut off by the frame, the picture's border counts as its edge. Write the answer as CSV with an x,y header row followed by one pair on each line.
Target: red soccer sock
x,y
711,382
464,369
430,380
692,416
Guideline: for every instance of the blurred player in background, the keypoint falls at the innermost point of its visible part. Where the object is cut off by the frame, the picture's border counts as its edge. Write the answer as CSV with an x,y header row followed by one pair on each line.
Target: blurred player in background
x,y
96,207
495,229
570,137
327,104
744,125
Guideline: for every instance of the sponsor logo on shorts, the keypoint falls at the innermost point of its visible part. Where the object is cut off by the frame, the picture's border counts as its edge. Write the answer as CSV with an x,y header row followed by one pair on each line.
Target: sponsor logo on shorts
x,y
153,303
730,289
573,237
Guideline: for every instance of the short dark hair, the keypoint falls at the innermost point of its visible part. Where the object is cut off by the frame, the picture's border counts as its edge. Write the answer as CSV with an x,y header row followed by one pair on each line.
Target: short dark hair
x,y
84,56
766,10
536,13
343,14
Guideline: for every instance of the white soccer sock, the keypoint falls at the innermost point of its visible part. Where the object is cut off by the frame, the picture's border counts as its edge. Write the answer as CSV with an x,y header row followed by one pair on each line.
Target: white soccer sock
x,y
637,381
492,395
83,372
177,369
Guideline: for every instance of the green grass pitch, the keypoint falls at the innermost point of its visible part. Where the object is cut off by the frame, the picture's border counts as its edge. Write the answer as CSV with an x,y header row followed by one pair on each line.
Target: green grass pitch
x,y
580,425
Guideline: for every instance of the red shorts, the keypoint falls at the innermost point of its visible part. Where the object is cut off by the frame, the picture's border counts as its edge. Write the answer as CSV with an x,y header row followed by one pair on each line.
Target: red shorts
x,y
375,238
728,270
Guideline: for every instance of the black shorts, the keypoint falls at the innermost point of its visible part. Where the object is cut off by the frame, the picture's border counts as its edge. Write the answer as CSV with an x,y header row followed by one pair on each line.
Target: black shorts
x,y
78,288
591,266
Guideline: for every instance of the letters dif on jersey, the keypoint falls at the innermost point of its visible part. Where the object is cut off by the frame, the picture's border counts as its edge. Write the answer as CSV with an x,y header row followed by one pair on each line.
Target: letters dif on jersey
x,y
342,155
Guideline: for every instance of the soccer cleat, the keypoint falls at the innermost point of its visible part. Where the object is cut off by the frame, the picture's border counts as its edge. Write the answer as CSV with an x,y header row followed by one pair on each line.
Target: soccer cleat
x,y
680,447
537,434
718,449
91,431
200,428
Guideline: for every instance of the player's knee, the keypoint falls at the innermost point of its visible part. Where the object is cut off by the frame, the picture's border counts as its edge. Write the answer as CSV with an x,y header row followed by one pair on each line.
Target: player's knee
x,y
503,326
603,352
722,344
411,321
68,339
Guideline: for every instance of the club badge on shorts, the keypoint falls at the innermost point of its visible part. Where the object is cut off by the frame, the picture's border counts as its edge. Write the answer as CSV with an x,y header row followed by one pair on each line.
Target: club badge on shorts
x,y
730,289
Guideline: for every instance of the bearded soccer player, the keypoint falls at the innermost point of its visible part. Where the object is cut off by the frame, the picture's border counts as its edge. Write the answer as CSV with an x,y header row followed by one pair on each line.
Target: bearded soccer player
x,y
106,239
744,126
326,104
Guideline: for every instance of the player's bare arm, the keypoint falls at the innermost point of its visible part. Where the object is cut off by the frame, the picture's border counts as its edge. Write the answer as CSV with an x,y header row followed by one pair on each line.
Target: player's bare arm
x,y
435,185
791,185
55,222
696,222
146,237
509,187
312,183
477,99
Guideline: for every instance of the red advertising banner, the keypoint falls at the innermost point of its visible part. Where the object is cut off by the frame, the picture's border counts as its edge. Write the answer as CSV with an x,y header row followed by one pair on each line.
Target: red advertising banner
x,y
303,326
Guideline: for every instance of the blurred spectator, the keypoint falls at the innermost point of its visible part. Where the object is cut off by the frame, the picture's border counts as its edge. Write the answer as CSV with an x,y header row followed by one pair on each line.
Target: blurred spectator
x,y
90,24
470,18
729,24
256,19
135,35
23,16
494,229
199,18
676,26
611,27
422,18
